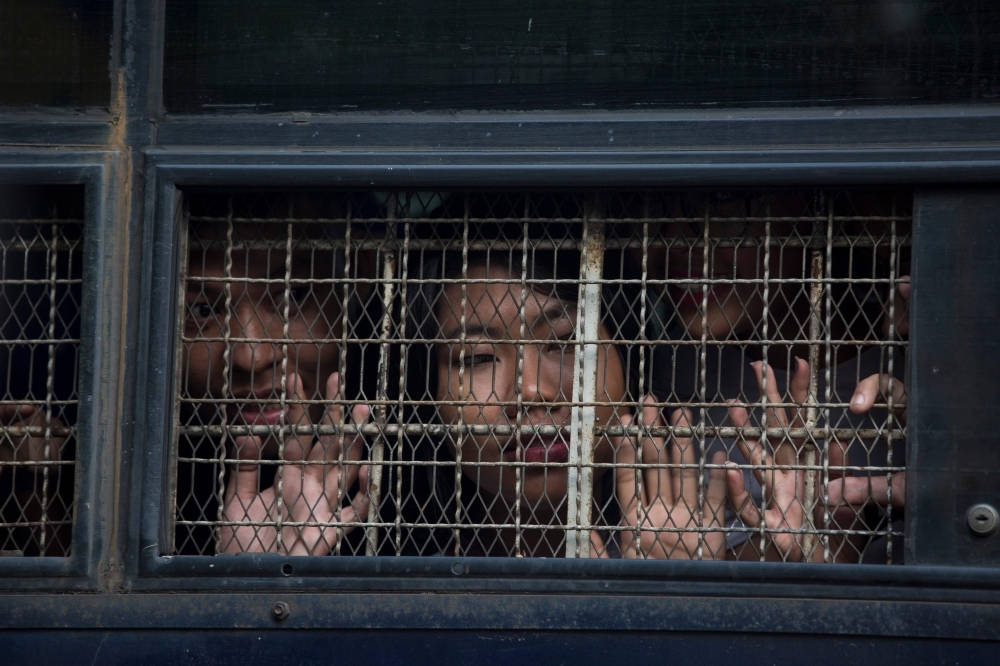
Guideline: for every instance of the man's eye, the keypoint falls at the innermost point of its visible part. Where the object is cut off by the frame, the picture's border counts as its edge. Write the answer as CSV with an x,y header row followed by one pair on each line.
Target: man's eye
x,y
298,294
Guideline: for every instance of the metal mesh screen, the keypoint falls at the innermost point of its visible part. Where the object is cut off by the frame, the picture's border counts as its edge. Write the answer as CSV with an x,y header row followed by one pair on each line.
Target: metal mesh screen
x,y
40,289
656,374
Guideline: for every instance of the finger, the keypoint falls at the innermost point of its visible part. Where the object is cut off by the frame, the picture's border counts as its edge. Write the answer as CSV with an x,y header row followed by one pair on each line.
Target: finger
x,y
244,482
904,287
338,478
838,457
750,448
683,455
22,413
297,447
870,389
625,476
775,416
333,415
360,504
785,453
715,496
857,491
654,452
799,386
740,498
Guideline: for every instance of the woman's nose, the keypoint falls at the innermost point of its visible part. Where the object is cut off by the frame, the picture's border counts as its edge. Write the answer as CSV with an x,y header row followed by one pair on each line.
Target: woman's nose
x,y
253,352
539,382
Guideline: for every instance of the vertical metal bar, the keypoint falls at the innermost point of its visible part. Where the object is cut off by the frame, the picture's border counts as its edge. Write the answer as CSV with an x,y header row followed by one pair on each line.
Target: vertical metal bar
x,y
283,426
402,387
815,330
461,378
890,419
182,272
49,383
519,381
227,368
378,448
640,399
828,389
762,442
702,377
342,361
580,483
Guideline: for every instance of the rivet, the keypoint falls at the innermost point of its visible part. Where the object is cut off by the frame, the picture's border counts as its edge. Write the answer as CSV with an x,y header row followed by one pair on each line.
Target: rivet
x,y
281,611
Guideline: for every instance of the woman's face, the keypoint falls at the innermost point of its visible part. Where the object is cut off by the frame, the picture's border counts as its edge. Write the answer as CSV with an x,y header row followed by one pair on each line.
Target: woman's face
x,y
257,311
488,386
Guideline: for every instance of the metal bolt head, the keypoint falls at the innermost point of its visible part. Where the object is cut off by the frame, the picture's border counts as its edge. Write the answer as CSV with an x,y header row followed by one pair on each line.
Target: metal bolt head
x,y
280,611
983,519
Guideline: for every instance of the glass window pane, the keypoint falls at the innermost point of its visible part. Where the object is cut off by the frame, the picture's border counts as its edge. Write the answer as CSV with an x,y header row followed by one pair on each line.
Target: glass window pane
x,y
266,55
55,52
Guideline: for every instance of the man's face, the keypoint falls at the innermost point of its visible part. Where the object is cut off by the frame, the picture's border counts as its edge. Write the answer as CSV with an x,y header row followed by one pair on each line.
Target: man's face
x,y
270,337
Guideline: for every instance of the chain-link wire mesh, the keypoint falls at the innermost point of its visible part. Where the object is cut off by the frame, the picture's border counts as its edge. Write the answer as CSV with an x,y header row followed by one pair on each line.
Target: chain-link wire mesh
x,y
40,290
655,374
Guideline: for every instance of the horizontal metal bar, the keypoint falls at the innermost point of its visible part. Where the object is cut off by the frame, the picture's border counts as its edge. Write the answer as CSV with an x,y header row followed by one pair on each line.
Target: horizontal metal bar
x,y
511,403
439,430
521,220
879,470
694,281
567,343
563,245
36,431
556,527
39,341
39,246
57,281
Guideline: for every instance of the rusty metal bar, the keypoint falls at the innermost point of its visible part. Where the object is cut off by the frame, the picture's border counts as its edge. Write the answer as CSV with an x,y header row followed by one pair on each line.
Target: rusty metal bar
x,y
342,362
828,389
809,444
49,385
283,417
227,370
580,482
402,387
456,533
763,441
702,383
501,244
437,429
378,448
519,378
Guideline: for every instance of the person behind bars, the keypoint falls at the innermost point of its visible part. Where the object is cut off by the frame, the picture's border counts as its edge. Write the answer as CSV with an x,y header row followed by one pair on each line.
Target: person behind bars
x,y
496,368
728,311
260,355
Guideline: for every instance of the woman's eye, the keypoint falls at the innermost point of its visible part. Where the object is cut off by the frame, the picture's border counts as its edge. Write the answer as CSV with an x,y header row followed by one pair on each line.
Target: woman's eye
x,y
202,310
479,359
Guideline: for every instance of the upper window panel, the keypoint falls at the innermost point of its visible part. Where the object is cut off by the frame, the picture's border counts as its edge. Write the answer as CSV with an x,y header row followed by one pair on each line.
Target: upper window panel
x,y
55,53
266,55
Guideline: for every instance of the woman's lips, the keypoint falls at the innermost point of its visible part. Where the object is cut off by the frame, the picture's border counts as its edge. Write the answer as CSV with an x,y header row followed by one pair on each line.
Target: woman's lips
x,y
552,452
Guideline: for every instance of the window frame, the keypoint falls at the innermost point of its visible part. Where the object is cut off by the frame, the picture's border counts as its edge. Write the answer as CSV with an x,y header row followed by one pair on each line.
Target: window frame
x,y
99,351
169,171
138,156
